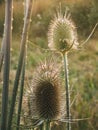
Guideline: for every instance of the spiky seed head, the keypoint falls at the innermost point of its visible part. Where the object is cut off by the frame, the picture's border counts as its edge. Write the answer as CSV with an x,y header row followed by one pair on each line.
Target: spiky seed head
x,y
46,93
62,34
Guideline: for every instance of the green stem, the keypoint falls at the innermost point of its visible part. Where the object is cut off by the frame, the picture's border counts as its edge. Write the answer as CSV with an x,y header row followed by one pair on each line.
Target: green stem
x,y
47,125
41,127
68,126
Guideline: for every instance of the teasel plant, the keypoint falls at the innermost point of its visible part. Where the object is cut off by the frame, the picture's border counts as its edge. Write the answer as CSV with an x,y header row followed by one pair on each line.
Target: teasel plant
x,y
62,38
43,102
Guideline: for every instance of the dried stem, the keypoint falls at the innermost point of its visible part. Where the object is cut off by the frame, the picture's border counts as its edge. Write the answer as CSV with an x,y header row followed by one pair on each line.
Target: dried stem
x,y
21,96
6,55
20,62
92,32
22,77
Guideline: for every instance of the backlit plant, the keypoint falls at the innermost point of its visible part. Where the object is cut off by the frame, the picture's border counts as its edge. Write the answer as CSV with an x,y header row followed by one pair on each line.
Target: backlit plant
x,y
46,101
62,37
45,97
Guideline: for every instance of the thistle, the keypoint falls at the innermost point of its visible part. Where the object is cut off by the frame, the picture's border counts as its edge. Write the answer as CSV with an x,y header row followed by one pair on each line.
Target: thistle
x,y
45,97
62,34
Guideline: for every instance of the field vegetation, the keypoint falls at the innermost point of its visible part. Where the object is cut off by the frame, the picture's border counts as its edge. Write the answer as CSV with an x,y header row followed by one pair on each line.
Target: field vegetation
x,y
83,63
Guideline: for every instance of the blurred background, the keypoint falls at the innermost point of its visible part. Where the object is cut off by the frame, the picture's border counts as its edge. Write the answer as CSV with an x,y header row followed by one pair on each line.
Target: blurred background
x,y
83,64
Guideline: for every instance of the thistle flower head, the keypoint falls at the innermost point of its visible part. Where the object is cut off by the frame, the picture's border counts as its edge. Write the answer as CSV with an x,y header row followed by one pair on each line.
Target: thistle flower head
x,y
46,93
62,35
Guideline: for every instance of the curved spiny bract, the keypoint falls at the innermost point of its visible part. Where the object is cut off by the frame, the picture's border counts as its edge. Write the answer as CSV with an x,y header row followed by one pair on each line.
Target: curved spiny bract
x,y
62,34
46,93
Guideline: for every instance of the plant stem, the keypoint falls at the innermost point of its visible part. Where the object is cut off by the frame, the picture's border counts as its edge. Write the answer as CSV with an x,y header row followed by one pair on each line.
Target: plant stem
x,y
68,125
21,95
6,71
20,62
41,127
47,125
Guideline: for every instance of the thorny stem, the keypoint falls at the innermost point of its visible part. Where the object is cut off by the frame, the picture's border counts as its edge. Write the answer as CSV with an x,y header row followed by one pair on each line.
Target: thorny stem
x,y
68,125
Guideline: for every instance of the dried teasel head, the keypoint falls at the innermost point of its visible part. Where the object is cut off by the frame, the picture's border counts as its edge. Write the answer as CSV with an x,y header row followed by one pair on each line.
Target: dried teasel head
x,y
46,97
62,34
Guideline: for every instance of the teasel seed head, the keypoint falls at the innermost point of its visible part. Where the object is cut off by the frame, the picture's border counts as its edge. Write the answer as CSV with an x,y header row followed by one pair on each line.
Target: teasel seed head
x,y
62,34
46,96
